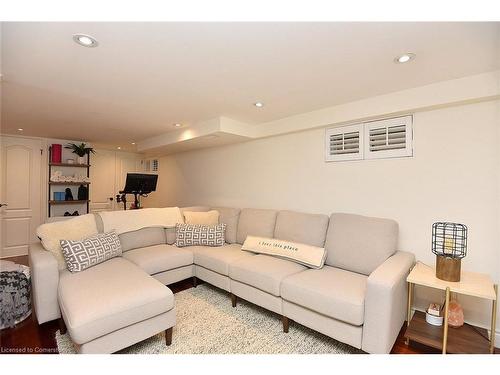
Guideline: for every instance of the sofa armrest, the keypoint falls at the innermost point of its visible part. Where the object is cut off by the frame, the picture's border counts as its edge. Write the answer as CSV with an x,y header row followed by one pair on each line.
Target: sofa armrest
x,y
44,283
386,303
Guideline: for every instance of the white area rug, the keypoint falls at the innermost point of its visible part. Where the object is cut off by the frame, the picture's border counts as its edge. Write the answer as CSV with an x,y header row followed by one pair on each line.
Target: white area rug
x,y
207,324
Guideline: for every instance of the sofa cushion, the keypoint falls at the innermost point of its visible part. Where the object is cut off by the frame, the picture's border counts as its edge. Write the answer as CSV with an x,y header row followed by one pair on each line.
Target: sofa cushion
x,y
301,228
229,216
360,243
143,237
76,228
160,258
263,272
255,222
195,209
218,259
170,232
201,218
330,291
109,296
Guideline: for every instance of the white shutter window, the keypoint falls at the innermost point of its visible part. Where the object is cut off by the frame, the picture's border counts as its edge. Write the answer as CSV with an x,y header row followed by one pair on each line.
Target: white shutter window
x,y
154,165
344,143
389,138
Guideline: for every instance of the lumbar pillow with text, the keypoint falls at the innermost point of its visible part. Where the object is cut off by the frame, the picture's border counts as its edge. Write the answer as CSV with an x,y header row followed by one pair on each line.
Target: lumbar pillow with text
x,y
201,218
310,256
80,255
201,235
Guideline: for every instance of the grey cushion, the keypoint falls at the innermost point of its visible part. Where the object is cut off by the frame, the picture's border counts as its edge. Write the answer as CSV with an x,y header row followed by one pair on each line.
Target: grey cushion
x,y
300,227
142,238
218,259
83,254
263,272
110,296
360,243
170,234
160,258
229,216
330,291
256,222
98,222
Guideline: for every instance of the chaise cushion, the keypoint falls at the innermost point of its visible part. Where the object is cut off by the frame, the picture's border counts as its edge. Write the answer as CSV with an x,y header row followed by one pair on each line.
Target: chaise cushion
x,y
300,227
142,238
263,272
218,259
359,243
255,222
109,296
330,291
160,258
229,216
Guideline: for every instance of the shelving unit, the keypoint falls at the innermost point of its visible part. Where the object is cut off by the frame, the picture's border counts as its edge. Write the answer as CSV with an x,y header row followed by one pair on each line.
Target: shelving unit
x,y
465,339
52,202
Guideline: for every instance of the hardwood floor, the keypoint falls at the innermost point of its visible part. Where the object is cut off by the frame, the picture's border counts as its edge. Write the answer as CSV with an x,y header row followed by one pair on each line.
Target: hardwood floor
x,y
29,337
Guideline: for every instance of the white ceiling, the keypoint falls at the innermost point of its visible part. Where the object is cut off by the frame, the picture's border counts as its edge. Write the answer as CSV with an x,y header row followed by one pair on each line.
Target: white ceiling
x,y
143,77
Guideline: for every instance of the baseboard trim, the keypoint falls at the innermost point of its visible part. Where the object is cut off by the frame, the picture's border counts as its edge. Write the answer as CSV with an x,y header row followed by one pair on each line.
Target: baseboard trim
x,y
14,252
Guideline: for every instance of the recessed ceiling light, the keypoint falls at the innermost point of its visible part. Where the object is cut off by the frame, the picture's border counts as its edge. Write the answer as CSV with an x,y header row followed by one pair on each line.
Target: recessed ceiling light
x,y
133,143
119,148
20,129
258,104
177,125
85,40
404,58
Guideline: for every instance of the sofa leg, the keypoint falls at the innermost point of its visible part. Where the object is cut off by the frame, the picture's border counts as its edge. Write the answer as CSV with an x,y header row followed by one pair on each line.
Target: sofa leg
x,y
195,282
286,323
62,326
234,299
168,336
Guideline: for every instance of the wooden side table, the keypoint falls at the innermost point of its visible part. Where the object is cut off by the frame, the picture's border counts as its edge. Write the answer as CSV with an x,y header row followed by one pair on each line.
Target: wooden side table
x,y
466,339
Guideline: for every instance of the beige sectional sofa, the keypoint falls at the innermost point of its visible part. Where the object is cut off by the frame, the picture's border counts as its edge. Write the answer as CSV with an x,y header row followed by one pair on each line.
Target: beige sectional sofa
x,y
358,297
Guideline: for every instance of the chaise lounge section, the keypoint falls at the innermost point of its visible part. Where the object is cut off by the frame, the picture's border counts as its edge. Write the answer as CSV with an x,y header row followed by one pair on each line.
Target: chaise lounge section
x,y
358,297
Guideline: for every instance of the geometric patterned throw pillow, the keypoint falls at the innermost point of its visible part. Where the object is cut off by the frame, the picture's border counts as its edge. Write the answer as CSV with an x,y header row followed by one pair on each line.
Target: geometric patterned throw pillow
x,y
80,255
200,235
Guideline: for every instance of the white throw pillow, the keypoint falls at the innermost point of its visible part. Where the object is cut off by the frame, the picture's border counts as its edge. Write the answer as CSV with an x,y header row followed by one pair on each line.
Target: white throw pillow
x,y
77,228
202,218
309,256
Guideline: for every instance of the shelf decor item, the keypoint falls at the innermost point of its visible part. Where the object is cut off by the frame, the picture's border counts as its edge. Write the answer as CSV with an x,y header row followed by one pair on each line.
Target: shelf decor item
x,y
56,153
81,150
455,315
449,243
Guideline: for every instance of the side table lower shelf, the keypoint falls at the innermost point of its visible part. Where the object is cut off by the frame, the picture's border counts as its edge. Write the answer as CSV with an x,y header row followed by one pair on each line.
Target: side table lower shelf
x,y
466,339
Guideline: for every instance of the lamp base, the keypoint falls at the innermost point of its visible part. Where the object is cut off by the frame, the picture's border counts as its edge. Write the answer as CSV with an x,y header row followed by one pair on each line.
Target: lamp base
x,y
448,269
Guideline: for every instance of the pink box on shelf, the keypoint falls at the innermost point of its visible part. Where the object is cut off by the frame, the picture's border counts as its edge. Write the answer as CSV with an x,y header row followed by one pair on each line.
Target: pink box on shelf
x,y
56,152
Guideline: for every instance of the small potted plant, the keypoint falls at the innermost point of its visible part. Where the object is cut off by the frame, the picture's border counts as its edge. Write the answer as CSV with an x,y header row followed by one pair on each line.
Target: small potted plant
x,y
81,150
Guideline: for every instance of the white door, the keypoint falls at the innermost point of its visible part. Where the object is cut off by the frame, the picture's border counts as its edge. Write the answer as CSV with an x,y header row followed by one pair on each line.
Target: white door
x,y
102,181
20,194
108,173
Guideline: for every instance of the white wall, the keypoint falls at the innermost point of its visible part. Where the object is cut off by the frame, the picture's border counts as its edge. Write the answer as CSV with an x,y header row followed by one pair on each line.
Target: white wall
x,y
454,175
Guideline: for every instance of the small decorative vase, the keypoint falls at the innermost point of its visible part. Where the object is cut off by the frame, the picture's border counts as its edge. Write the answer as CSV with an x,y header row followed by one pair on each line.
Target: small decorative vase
x,y
455,315
81,160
